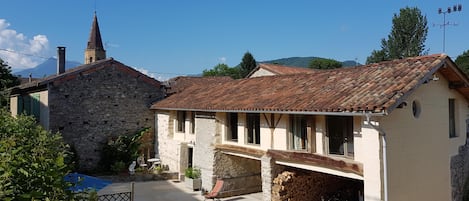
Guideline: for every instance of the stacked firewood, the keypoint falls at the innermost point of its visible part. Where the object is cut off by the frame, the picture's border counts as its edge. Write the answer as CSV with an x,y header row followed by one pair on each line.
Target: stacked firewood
x,y
296,186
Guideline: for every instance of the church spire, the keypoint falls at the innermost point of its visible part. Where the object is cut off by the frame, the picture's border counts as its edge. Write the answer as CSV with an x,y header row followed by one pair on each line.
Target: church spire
x,y
94,50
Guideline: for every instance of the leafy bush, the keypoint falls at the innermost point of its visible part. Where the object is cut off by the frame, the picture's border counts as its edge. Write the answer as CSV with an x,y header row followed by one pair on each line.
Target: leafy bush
x,y
193,173
118,167
32,159
124,149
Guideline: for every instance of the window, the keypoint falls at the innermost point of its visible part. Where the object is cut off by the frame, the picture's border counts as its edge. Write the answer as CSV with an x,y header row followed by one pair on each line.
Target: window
x,y
232,126
30,105
253,128
340,135
298,138
416,109
181,118
192,122
36,106
452,118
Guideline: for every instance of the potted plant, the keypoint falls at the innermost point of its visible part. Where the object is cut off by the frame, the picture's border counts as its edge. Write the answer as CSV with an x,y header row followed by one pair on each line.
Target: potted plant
x,y
158,169
192,178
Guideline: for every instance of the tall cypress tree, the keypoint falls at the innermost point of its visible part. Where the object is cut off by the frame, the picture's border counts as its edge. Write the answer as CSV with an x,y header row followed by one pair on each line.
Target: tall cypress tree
x,y
407,37
247,64
463,62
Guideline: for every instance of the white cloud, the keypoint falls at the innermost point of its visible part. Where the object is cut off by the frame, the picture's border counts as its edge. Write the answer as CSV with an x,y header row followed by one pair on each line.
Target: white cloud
x,y
222,60
146,72
18,51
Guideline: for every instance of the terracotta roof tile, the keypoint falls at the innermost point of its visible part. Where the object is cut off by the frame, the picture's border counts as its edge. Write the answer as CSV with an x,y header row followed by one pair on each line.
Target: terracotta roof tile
x,y
178,84
86,69
371,88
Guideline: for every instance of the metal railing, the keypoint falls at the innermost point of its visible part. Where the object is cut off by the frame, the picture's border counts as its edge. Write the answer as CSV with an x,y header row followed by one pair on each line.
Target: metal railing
x,y
125,196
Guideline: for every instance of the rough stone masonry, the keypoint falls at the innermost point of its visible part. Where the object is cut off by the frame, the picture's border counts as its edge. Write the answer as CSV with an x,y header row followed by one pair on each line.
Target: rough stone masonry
x,y
90,108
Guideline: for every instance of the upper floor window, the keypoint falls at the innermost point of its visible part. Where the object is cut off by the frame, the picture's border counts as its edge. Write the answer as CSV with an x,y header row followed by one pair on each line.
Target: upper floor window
x,y
340,135
192,123
232,126
298,138
181,120
253,128
30,105
452,118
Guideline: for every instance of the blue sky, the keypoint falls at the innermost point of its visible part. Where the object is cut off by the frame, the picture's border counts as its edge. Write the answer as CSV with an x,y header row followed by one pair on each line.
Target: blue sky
x,y
183,37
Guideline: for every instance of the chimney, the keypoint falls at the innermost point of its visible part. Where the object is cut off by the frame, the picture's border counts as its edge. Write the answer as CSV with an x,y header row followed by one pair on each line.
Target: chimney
x,y
60,60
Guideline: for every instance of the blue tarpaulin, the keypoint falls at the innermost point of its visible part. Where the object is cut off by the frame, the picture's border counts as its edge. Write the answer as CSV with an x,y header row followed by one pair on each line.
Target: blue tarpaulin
x,y
84,182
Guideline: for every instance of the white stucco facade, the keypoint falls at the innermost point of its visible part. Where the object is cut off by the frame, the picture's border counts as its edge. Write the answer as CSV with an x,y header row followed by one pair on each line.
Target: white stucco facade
x,y
261,72
419,148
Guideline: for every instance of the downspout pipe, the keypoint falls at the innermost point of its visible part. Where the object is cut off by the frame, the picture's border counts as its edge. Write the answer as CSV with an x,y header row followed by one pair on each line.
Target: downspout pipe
x,y
383,147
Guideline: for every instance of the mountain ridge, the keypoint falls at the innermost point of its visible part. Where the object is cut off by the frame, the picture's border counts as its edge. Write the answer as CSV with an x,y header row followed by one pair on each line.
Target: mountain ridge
x,y
48,67
304,62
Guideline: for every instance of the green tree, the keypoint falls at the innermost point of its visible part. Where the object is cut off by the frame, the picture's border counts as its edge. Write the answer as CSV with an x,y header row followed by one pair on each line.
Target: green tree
x,y
248,63
7,80
407,37
222,70
32,159
463,62
123,149
321,63
377,56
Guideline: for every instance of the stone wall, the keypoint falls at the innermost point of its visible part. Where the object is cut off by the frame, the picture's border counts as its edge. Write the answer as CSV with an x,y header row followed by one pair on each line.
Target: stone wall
x,y
460,173
91,108
204,153
240,175
300,185
168,149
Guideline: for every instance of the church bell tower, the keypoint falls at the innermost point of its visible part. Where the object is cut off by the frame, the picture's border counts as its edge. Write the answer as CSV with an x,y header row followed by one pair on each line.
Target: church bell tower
x,y
94,50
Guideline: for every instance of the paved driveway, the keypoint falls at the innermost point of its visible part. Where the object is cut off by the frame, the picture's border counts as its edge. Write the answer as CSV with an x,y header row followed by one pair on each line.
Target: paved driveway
x,y
167,190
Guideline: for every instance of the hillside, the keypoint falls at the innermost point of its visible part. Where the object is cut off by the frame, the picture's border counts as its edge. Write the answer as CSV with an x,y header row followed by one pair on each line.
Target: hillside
x,y
304,62
48,67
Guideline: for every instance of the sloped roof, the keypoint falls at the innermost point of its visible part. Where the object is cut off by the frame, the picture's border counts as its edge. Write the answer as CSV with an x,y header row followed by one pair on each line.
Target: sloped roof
x,y
375,88
84,69
178,84
280,69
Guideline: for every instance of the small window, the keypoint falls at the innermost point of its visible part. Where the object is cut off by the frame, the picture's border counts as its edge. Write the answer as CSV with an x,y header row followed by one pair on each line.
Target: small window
x,y
253,128
452,118
181,118
416,109
298,138
192,122
232,126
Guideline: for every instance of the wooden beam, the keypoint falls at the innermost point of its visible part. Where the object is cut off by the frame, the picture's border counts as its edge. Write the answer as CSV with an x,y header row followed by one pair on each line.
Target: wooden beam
x,y
317,160
456,85
240,150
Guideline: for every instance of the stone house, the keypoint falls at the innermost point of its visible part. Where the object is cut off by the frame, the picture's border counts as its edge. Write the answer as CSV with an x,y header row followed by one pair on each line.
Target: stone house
x,y
90,104
393,130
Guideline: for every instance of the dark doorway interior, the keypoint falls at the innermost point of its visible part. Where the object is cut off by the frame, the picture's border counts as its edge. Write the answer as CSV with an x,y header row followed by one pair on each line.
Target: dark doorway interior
x,y
190,151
